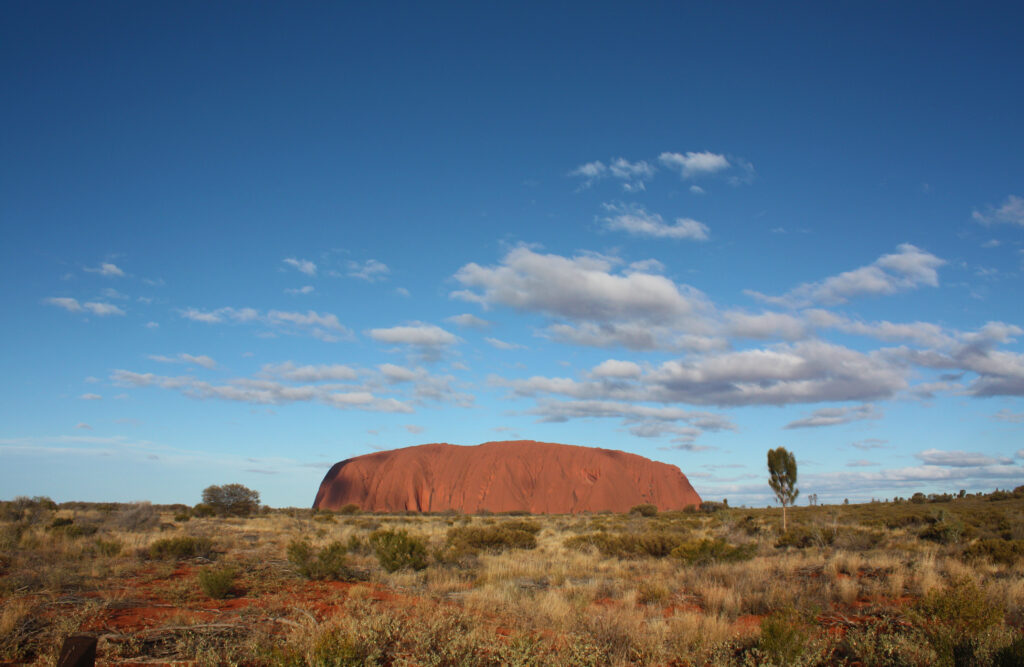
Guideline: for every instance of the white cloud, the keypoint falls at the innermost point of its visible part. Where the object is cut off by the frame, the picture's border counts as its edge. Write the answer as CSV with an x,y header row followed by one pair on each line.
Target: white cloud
x,y
643,416
305,289
83,426
414,429
908,268
94,307
870,443
502,345
696,189
861,463
578,288
764,325
67,303
468,320
263,392
111,293
107,269
102,309
90,397
324,326
183,357
590,172
836,416
921,333
396,373
371,270
311,373
419,334
152,325
1009,417
692,164
613,368
302,265
634,219
401,291
960,459
634,174
1012,212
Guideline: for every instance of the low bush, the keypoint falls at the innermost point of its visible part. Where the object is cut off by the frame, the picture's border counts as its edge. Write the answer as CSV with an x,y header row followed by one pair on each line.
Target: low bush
x,y
509,535
217,581
647,509
945,529
177,548
1007,552
707,551
137,518
783,638
656,544
397,550
351,508
803,537
328,563
953,620
108,548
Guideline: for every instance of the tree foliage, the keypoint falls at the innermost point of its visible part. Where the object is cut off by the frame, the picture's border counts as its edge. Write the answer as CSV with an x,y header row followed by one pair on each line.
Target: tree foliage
x,y
782,478
231,499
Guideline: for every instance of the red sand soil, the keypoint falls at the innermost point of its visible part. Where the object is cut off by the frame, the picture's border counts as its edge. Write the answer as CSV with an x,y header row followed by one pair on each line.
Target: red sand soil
x,y
537,477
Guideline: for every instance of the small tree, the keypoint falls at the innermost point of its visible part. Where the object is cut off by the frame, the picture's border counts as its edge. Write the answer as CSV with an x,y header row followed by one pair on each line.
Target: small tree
x,y
231,499
782,478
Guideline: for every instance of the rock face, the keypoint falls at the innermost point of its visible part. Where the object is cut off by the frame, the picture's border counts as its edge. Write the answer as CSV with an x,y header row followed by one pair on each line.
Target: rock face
x,y
501,477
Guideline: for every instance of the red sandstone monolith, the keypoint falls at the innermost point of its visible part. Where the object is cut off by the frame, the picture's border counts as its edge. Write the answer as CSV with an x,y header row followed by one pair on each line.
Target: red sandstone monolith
x,y
537,477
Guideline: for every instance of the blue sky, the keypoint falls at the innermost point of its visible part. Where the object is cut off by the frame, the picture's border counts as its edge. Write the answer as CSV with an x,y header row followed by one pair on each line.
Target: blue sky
x,y
243,241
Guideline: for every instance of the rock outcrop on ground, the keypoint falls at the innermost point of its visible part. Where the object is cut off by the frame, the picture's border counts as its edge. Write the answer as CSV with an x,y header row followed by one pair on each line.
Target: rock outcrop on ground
x,y
537,477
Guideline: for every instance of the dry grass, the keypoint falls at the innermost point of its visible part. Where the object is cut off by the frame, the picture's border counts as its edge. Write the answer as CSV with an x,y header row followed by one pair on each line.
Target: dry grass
x,y
549,604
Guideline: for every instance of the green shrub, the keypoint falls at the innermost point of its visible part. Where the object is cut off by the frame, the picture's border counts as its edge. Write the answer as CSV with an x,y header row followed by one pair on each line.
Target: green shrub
x,y
953,619
182,517
509,535
351,508
327,563
707,551
656,544
137,517
397,550
176,548
202,511
783,638
945,529
647,509
1007,552
217,581
108,548
59,523
803,537
1011,655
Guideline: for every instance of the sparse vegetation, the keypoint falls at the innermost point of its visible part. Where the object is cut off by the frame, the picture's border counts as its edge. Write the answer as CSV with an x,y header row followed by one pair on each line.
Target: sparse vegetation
x,y
845,584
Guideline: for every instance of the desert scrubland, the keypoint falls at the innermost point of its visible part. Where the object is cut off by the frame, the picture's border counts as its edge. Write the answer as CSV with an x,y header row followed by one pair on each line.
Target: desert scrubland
x,y
938,581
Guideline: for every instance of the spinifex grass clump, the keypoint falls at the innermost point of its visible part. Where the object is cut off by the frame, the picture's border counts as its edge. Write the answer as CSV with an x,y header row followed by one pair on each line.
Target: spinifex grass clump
x,y
656,544
217,581
955,619
397,550
171,548
327,563
508,535
706,552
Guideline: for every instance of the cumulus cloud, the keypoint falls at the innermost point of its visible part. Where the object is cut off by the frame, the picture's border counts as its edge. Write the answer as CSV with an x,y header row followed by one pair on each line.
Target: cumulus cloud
x,y
764,325
90,397
183,357
960,459
692,164
395,373
311,373
469,321
908,268
636,220
305,289
861,463
920,333
1012,212
503,345
641,420
107,269
836,416
371,270
807,372
324,326
613,368
870,443
578,288
425,335
301,265
632,174
414,429
261,391
94,307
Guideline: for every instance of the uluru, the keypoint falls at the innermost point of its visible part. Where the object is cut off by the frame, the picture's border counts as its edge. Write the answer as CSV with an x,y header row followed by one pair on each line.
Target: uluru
x,y
536,477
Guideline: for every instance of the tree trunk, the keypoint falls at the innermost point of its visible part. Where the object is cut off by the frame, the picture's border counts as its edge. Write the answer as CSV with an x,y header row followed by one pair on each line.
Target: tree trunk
x,y
783,517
